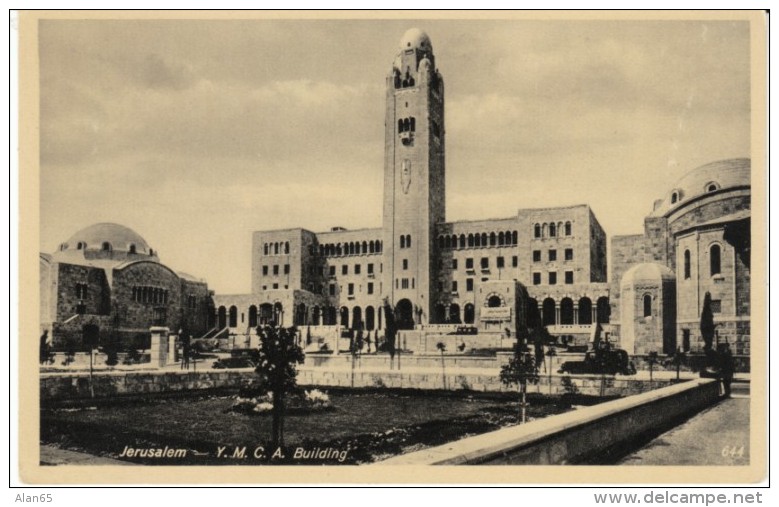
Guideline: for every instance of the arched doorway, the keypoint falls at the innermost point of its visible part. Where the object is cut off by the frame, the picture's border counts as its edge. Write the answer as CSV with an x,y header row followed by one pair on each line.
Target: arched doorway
x,y
300,315
370,317
494,301
440,313
344,316
221,317
585,311
315,315
566,311
469,316
549,312
603,310
233,316
404,314
266,313
332,318
454,313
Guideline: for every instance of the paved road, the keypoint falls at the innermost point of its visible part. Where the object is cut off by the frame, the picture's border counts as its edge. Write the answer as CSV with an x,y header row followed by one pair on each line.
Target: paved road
x,y
718,436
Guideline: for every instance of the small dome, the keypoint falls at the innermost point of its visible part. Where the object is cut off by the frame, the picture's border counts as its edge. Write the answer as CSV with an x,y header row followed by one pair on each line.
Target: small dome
x,y
712,177
647,272
108,236
415,38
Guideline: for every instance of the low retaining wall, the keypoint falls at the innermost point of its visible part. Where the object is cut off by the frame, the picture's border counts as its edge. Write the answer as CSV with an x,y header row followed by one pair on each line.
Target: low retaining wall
x,y
574,436
75,386
379,361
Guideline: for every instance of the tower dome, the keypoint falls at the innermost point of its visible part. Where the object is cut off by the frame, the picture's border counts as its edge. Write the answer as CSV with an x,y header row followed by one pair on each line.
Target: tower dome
x,y
415,38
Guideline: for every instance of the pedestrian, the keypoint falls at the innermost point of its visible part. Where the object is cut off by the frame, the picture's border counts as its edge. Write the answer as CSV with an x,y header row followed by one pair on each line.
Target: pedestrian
x,y
727,367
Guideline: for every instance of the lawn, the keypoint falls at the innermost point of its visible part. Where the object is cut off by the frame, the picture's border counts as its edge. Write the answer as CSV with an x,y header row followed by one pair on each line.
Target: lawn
x,y
368,425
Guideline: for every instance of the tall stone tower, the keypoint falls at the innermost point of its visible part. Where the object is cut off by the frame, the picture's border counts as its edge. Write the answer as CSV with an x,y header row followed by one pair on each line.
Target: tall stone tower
x,y
414,178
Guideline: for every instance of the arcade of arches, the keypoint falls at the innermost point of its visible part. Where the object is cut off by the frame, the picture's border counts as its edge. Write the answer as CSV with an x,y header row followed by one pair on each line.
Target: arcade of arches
x,y
368,318
568,311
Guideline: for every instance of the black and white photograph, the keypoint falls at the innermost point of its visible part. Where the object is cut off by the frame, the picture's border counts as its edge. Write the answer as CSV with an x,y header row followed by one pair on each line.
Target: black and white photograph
x,y
374,243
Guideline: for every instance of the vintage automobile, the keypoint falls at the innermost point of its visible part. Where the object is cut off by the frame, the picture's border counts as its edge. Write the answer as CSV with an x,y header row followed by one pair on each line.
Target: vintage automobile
x,y
602,359
239,358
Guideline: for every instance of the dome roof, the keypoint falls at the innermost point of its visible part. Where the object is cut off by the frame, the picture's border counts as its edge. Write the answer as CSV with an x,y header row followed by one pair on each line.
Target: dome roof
x,y
647,272
119,238
707,178
415,38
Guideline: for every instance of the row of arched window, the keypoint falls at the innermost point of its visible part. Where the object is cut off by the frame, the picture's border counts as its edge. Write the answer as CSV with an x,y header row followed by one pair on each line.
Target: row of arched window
x,y
715,261
477,240
405,241
552,230
677,195
564,314
277,248
351,248
268,313
105,246
153,295
407,125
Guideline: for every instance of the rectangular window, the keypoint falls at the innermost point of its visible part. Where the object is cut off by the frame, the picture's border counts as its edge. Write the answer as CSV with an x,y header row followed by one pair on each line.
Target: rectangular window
x,y
370,268
332,270
405,263
356,269
469,285
553,278
286,269
454,286
275,286
332,289
501,262
265,271
569,277
569,254
350,288
485,263
81,291
454,264
275,269
716,306
345,269
469,263
536,278
514,261
264,287
552,255
370,287
536,255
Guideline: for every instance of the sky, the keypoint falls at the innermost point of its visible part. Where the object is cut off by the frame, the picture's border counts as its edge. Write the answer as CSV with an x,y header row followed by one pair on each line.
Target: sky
x,y
194,133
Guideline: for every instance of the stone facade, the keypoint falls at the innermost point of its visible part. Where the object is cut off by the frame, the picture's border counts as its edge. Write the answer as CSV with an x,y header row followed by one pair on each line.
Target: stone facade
x,y
107,281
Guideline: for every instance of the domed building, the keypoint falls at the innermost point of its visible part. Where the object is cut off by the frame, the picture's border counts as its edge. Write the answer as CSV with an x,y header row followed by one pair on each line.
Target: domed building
x,y
106,281
699,231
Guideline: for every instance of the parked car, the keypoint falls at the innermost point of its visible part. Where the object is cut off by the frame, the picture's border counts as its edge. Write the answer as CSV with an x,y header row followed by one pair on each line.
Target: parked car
x,y
239,358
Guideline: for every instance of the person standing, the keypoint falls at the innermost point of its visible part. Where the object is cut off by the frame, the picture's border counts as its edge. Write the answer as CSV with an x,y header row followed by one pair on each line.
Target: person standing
x,y
727,367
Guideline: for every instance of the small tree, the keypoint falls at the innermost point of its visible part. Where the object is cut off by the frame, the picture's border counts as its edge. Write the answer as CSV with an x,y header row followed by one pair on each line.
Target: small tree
x,y
707,323
442,348
551,353
390,330
652,359
278,356
521,370
45,348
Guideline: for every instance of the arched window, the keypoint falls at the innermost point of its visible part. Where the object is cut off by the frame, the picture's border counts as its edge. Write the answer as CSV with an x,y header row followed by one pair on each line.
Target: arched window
x,y
106,246
494,302
408,240
470,240
548,309
493,239
567,228
221,317
344,316
371,246
81,245
686,264
552,230
370,318
252,316
402,241
514,238
400,126
233,316
537,231
265,249
132,248
566,311
647,305
454,313
477,240
585,310
500,238
462,241
674,197
445,242
275,249
715,264
286,247
484,239
364,247
413,124
316,316
151,251
712,186
357,318
603,310
469,313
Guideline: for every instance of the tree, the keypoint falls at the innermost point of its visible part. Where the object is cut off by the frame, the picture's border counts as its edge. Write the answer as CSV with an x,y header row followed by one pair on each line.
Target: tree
x,y
652,359
551,353
678,359
707,323
279,356
521,370
442,348
390,329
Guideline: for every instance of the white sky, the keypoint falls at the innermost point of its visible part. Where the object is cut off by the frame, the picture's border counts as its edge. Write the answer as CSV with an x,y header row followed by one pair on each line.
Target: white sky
x,y
196,133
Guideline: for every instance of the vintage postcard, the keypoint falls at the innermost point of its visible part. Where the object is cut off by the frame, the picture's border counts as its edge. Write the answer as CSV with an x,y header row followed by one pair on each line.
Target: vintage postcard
x,y
377,247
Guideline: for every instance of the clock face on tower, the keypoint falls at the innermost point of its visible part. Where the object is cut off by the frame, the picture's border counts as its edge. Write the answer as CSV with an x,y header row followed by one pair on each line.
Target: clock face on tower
x,y
405,175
